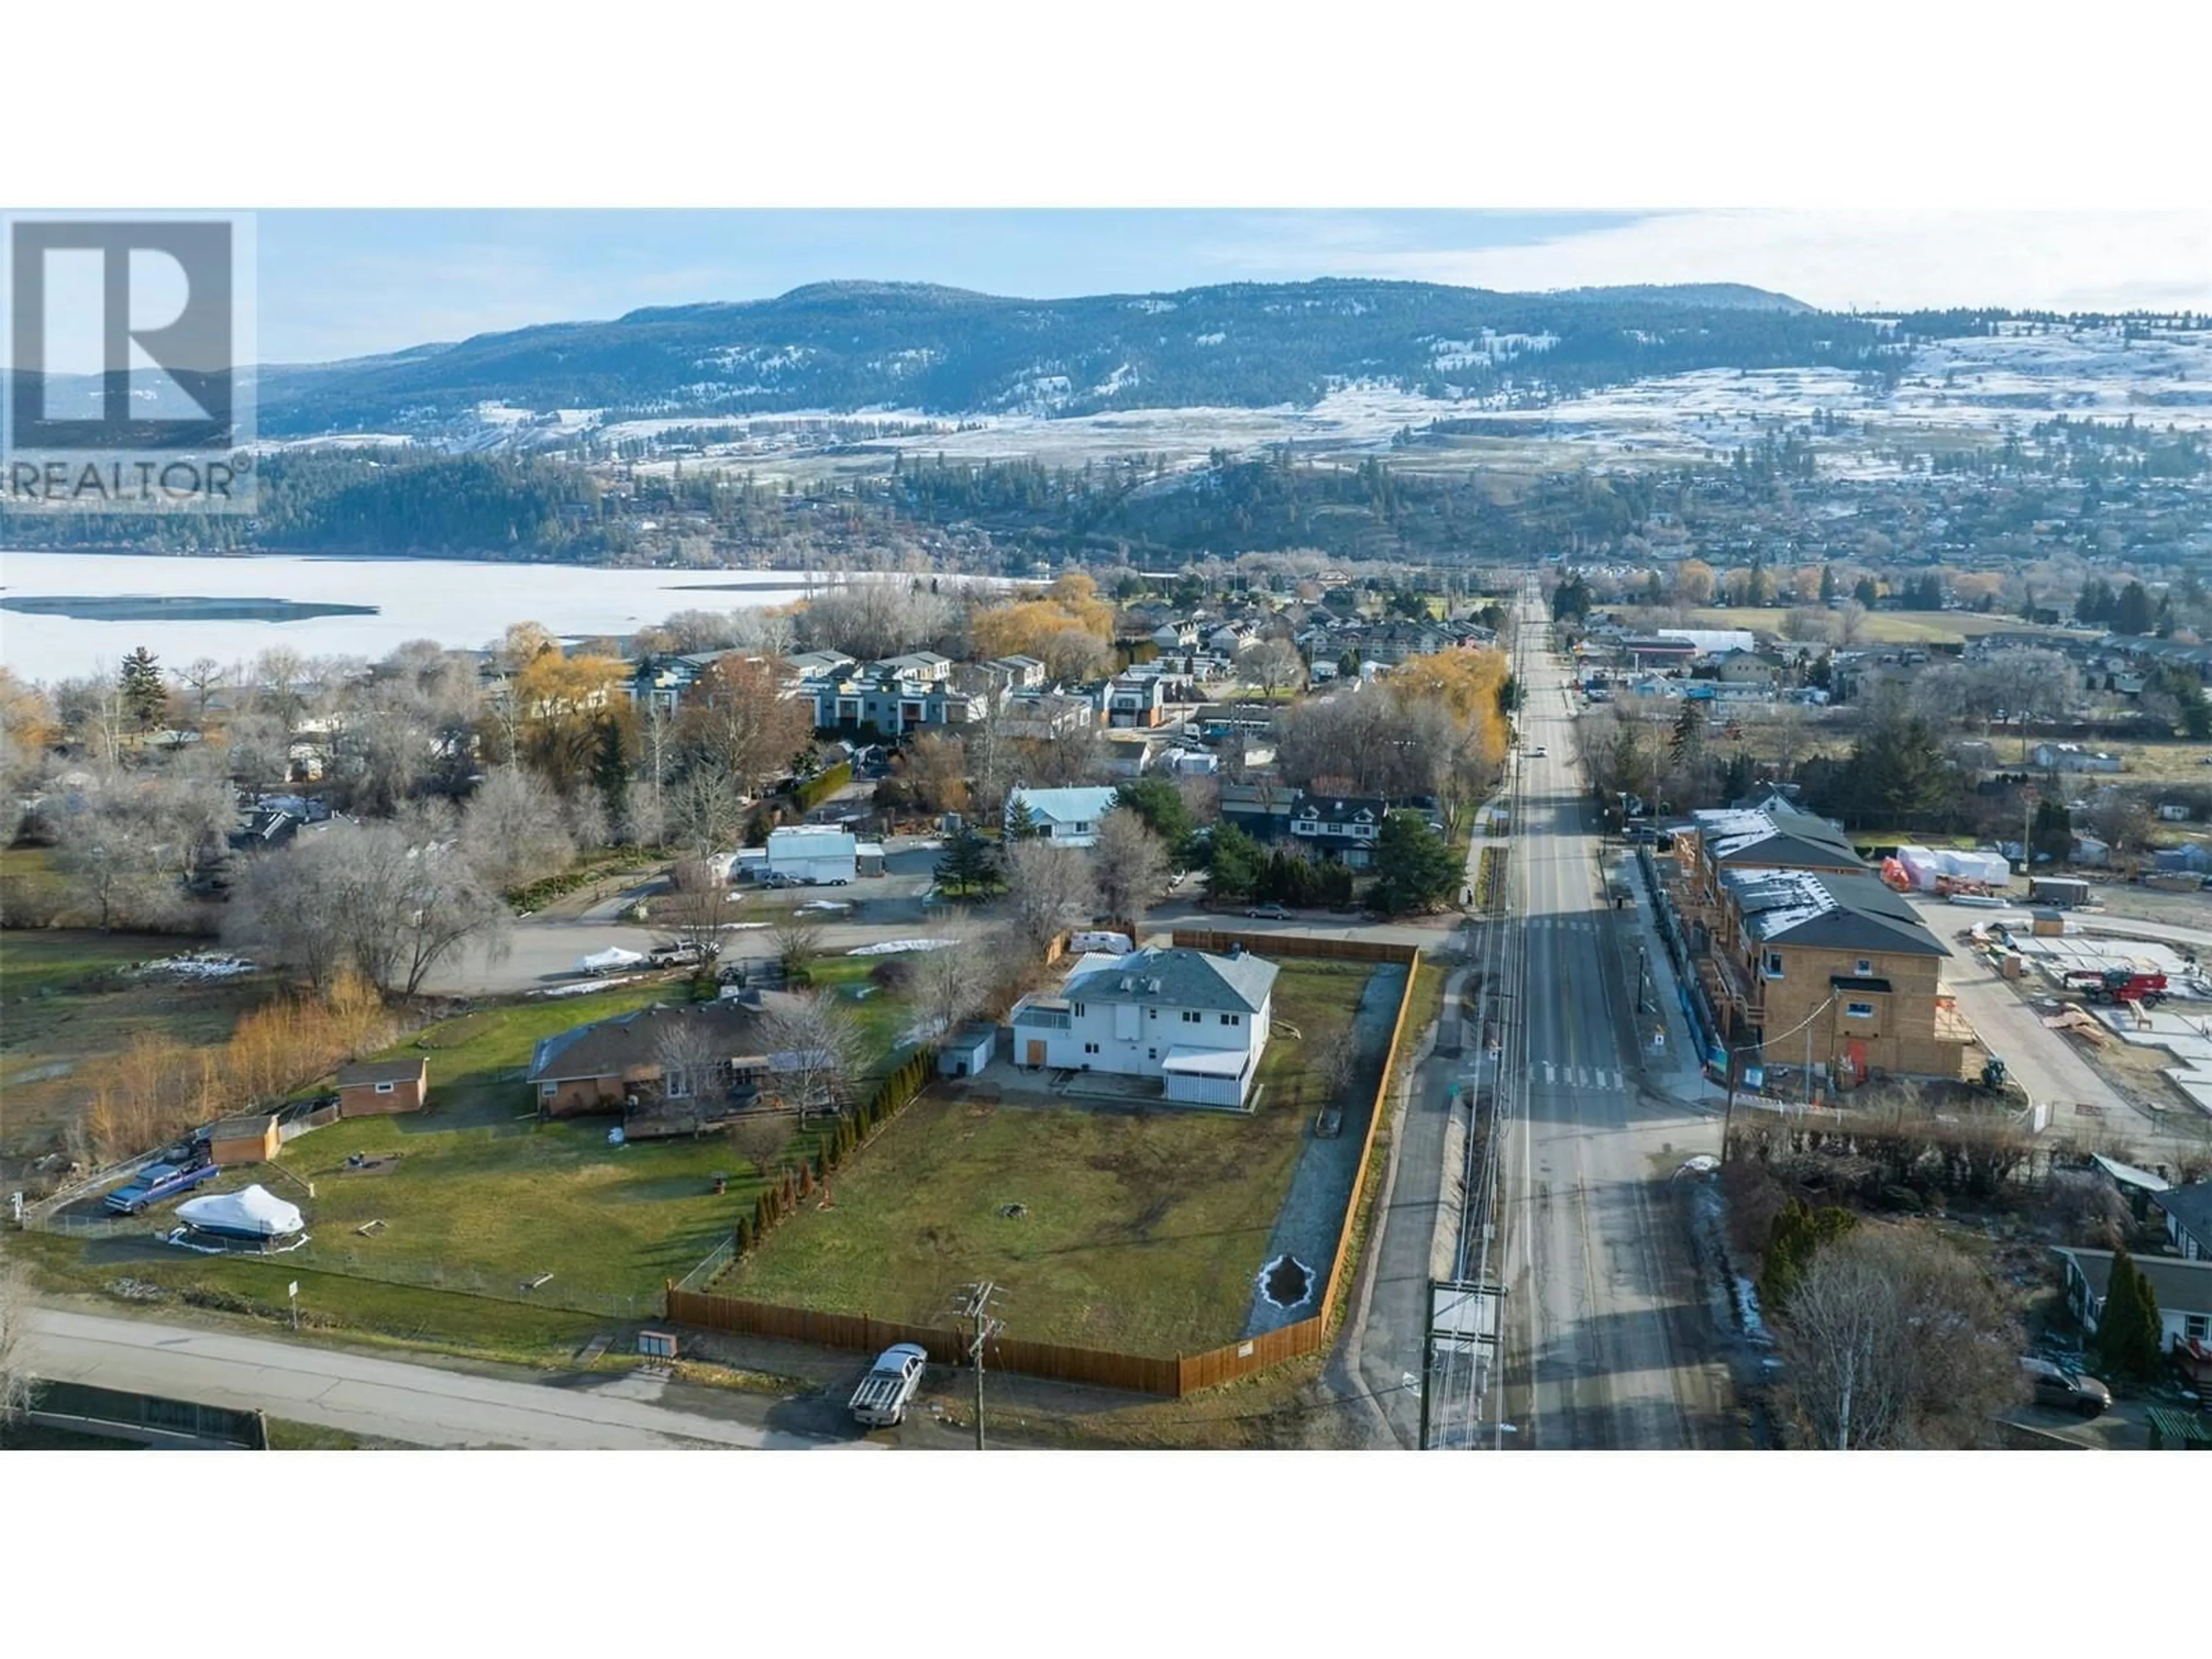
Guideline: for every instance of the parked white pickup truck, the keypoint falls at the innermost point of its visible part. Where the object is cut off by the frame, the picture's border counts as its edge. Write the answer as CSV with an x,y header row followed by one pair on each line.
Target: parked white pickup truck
x,y
885,1393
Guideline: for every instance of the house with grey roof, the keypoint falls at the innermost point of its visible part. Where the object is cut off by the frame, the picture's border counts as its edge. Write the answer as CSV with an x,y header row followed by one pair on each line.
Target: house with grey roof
x,y
2183,1290
2188,1219
1197,1022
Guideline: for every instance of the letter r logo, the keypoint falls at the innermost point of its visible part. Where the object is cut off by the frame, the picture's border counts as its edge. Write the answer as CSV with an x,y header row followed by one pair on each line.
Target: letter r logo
x,y
189,342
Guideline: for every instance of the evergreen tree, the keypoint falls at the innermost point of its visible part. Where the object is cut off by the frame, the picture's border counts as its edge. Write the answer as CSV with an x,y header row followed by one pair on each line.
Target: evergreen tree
x,y
1236,866
1021,822
611,774
1414,868
1654,590
1897,772
1740,778
1866,592
1688,741
968,864
1161,805
2131,611
1829,586
2052,831
1794,1236
2130,1341
145,695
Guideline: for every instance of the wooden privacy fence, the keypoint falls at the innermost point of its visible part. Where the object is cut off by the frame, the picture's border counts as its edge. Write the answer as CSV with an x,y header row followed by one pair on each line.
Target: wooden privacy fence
x,y
1098,1367
1293,944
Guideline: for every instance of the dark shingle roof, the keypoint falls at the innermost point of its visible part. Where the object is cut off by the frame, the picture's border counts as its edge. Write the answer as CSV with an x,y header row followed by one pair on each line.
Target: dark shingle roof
x,y
2191,1206
2180,1287
1819,907
611,1048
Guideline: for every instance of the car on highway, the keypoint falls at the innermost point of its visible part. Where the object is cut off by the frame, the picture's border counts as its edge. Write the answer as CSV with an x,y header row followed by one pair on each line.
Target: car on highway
x,y
2064,1390
1268,913
1329,1123
1535,751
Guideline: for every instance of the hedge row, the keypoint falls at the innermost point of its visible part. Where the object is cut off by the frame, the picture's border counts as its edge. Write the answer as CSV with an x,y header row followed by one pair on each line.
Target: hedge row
x,y
823,785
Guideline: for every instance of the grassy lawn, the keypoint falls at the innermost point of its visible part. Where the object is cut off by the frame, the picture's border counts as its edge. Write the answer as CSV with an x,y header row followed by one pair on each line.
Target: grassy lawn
x,y
78,1008
1142,1232
484,1196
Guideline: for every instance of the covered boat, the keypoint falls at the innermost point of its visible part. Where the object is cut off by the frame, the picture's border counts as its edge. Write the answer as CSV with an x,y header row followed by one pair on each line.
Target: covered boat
x,y
251,1213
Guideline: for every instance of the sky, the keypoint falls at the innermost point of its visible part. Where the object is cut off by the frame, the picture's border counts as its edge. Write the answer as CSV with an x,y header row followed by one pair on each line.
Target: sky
x,y
349,282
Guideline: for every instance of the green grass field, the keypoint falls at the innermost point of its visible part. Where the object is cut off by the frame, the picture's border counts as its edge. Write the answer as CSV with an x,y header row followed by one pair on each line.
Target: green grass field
x,y
485,1197
1142,1232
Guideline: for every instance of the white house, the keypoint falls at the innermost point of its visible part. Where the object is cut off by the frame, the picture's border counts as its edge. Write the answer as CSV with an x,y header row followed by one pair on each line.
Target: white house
x,y
2183,1290
1065,817
1198,1023
823,857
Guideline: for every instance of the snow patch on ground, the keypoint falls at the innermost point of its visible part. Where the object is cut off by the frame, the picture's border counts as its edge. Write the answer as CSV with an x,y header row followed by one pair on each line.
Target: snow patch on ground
x,y
891,947
198,964
585,988
1748,1312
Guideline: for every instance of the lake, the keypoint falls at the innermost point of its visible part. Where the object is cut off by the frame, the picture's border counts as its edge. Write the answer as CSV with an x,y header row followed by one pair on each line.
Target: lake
x,y
81,609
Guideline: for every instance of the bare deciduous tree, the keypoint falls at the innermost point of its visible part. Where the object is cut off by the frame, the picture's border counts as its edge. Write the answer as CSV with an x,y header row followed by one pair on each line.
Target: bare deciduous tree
x,y
1271,665
706,809
1129,865
762,1138
512,830
950,983
1047,889
694,908
797,941
374,901
1894,1339
690,1058
1335,1061
815,1051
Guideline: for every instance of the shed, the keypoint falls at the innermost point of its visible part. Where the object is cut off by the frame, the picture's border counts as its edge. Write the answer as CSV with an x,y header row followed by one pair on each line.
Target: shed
x,y
374,1086
250,1139
967,1051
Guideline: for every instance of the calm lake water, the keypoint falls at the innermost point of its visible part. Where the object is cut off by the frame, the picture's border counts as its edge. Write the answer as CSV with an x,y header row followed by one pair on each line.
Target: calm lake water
x,y
394,600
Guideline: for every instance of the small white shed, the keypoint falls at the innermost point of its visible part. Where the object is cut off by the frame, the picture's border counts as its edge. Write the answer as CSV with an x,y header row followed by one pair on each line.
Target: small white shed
x,y
967,1051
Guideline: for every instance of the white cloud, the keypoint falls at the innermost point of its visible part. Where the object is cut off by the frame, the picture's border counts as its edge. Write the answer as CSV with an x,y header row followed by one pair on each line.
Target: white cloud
x,y
1868,260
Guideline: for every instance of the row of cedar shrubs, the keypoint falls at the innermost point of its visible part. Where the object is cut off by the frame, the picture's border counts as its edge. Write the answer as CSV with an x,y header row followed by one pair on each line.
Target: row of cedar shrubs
x,y
823,785
781,1197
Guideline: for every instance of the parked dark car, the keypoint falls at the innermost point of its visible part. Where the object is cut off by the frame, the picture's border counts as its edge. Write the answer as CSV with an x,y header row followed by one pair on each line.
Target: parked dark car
x,y
2064,1390
1329,1124
1270,913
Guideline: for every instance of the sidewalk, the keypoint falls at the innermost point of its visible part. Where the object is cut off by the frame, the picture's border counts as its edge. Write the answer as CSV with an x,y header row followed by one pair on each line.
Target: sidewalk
x,y
1677,1071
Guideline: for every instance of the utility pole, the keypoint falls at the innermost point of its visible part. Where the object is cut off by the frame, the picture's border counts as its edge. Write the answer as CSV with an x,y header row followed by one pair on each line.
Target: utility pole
x,y
974,1304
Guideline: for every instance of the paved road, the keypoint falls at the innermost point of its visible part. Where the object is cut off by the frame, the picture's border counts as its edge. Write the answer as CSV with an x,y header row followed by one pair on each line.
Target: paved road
x,y
1594,1283
383,1399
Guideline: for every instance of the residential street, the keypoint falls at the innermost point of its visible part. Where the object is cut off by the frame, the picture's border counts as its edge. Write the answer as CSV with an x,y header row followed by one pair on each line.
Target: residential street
x,y
385,1399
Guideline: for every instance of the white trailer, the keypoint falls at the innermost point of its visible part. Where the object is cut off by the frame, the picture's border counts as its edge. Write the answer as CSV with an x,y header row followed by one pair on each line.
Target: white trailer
x,y
812,857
